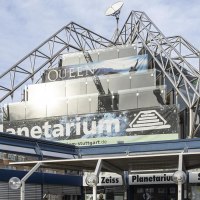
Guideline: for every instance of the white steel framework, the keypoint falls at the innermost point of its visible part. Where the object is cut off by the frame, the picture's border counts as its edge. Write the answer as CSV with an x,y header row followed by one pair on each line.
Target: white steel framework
x,y
175,59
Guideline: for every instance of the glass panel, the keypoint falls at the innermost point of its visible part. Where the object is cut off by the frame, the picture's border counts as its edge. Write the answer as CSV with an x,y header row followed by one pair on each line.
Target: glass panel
x,y
83,105
127,51
91,88
71,59
55,90
35,91
35,110
17,111
94,56
82,59
108,55
139,80
119,82
72,106
127,101
147,99
93,99
57,108
75,87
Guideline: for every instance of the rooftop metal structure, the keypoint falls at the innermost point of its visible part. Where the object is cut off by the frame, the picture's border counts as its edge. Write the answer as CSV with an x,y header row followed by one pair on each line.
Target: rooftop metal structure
x,y
176,60
42,148
119,164
33,147
70,38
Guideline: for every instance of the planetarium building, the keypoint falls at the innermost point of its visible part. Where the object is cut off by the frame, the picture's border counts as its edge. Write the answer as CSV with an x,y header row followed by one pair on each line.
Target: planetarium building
x,y
86,117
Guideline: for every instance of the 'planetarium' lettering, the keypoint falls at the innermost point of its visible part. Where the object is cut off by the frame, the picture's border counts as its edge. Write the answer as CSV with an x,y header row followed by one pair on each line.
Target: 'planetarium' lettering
x,y
68,129
151,179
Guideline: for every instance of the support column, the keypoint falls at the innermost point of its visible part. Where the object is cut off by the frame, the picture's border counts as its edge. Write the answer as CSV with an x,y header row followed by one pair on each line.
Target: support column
x,y
190,122
176,99
180,168
97,171
125,182
22,191
95,192
179,191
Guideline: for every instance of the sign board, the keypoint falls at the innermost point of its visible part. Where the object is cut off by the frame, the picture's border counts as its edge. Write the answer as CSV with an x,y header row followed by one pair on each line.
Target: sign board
x,y
114,66
106,179
194,177
147,124
150,179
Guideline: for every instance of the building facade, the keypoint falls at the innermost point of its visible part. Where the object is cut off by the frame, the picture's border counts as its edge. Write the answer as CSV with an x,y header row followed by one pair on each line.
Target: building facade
x,y
140,89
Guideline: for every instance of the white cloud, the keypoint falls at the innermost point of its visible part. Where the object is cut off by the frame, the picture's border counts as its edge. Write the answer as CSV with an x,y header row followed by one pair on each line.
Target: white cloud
x,y
26,23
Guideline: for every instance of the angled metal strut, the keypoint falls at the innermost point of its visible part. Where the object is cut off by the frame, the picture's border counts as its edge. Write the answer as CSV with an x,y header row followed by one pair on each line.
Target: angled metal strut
x,y
70,38
183,76
177,59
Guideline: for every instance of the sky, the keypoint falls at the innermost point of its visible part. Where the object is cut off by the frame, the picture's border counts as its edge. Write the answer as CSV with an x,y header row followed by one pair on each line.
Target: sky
x,y
25,24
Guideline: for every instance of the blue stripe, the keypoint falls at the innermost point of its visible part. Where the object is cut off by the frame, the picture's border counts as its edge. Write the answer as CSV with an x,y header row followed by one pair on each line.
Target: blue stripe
x,y
39,178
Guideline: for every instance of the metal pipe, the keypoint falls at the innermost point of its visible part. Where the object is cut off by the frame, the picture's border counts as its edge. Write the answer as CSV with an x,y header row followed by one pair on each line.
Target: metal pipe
x,y
22,191
95,192
23,180
180,168
190,122
179,191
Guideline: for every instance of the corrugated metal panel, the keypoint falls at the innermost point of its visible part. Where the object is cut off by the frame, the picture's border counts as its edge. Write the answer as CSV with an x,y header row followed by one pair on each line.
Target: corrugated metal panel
x,y
58,189
7,193
33,191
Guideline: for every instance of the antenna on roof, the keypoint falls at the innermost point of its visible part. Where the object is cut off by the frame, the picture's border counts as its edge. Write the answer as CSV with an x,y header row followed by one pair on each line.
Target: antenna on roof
x,y
115,10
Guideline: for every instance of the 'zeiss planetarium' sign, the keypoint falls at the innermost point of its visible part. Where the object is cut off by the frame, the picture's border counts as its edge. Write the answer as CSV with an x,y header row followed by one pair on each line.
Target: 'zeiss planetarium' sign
x,y
114,66
159,123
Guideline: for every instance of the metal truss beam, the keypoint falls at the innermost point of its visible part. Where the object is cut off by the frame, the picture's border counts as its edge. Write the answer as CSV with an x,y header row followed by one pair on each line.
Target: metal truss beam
x,y
176,58
183,76
29,69
187,50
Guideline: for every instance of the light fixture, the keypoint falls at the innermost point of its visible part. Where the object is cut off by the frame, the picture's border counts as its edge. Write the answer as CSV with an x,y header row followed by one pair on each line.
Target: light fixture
x,y
91,180
179,177
14,183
